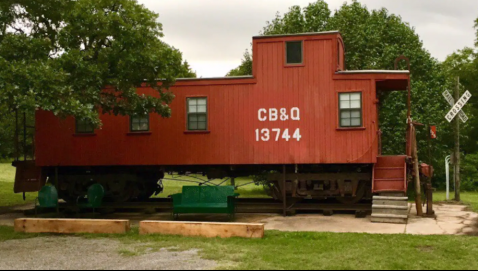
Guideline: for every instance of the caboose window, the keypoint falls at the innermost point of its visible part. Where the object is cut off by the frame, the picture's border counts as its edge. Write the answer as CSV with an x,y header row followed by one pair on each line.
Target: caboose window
x,y
197,114
294,52
139,123
350,109
84,127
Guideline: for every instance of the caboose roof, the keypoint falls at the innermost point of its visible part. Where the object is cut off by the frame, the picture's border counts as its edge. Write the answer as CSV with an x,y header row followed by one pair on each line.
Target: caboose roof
x,y
297,35
374,71
216,78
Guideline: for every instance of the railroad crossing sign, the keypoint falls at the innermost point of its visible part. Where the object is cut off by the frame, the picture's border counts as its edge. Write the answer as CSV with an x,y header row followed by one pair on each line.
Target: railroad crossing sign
x,y
456,109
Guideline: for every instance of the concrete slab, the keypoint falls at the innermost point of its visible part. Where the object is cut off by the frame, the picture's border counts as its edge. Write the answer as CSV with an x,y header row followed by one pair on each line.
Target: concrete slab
x,y
336,223
450,219
423,226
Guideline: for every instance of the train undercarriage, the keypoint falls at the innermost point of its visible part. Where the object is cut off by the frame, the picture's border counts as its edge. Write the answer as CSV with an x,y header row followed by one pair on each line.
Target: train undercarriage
x,y
348,184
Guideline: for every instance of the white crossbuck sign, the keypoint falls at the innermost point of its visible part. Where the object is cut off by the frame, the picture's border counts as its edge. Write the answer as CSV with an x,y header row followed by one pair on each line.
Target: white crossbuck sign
x,y
451,101
456,110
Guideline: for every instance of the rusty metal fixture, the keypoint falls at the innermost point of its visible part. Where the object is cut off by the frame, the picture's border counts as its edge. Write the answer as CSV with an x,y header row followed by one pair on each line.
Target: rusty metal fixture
x,y
17,151
347,188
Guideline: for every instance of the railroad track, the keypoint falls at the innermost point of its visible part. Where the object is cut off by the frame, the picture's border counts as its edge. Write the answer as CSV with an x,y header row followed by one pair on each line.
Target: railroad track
x,y
244,205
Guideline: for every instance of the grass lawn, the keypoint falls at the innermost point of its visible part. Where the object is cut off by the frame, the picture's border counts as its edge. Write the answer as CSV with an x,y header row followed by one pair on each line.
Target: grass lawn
x,y
469,198
7,197
280,250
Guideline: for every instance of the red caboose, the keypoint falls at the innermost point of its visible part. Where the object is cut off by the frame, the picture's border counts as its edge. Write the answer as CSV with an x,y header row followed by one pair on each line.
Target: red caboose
x,y
301,118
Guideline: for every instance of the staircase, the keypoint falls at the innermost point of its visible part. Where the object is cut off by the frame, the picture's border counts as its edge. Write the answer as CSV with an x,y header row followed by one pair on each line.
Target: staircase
x,y
390,182
390,208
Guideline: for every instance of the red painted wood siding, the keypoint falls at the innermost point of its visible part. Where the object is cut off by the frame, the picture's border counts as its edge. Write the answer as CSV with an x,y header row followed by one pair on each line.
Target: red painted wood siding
x,y
233,118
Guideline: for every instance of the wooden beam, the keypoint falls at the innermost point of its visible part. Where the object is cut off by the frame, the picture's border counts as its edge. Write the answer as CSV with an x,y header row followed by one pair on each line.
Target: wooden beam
x,y
66,226
209,230
284,192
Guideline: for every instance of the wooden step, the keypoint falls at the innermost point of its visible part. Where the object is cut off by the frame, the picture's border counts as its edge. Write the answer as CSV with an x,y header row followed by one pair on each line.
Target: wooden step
x,y
390,202
390,209
389,218
390,198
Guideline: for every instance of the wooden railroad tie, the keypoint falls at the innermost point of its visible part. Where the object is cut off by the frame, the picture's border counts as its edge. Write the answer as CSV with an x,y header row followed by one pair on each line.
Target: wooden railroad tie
x,y
67,226
209,230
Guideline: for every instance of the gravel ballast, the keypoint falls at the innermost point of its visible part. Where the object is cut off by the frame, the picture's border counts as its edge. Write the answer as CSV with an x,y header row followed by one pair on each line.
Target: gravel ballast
x,y
76,253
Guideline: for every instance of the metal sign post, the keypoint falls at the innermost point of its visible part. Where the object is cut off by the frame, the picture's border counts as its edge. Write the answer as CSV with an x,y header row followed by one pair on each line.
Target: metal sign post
x,y
457,110
447,170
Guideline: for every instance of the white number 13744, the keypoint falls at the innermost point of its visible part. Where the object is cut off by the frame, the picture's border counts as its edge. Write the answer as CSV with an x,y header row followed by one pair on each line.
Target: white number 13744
x,y
276,135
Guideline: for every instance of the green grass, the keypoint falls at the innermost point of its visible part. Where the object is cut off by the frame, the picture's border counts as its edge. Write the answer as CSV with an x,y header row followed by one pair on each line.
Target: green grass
x,y
280,250
7,197
7,233
247,191
469,198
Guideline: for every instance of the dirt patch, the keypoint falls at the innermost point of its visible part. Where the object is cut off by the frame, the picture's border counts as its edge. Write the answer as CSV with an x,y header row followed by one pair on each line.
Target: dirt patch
x,y
76,253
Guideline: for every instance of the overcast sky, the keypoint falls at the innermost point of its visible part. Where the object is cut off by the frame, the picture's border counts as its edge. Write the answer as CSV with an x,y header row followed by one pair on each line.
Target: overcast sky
x,y
213,34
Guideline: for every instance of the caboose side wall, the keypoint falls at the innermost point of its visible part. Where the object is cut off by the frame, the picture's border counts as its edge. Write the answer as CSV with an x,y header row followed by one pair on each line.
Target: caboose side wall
x,y
233,107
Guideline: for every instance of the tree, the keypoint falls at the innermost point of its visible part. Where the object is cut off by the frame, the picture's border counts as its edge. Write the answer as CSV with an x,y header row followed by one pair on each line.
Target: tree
x,y
464,64
59,55
245,68
373,40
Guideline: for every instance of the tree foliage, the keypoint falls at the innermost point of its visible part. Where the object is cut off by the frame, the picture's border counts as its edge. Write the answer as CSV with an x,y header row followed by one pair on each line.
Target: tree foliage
x,y
373,40
463,64
59,55
245,68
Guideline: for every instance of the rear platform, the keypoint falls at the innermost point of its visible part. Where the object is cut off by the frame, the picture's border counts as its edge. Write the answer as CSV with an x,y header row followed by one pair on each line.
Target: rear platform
x,y
390,182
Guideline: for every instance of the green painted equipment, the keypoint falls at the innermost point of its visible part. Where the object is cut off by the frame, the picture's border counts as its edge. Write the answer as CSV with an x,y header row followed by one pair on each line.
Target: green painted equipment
x,y
95,196
47,198
205,200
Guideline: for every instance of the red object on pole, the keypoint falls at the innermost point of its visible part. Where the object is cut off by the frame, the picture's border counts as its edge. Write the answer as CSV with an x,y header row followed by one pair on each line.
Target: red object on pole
x,y
433,132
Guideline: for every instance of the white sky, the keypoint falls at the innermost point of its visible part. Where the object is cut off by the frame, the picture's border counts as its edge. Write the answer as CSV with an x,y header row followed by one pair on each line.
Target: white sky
x,y
213,34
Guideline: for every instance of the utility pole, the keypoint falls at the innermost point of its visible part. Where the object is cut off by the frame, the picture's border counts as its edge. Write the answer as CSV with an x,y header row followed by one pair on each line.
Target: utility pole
x,y
457,147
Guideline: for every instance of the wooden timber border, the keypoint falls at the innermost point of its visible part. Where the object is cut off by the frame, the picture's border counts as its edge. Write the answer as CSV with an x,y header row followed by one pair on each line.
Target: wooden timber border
x,y
209,230
67,226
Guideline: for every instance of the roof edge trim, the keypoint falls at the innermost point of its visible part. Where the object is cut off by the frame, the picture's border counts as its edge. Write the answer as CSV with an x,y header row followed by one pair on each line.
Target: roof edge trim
x,y
297,35
374,71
